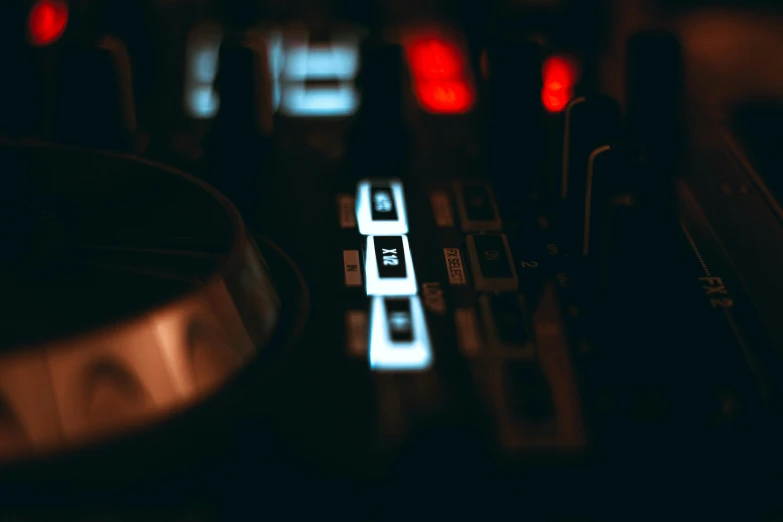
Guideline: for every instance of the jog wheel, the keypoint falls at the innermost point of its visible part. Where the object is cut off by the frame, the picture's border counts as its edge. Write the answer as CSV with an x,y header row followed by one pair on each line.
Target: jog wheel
x,y
141,322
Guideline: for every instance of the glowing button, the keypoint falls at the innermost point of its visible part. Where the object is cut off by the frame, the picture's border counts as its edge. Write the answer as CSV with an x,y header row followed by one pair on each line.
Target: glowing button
x,y
399,339
301,100
432,58
560,76
338,61
445,97
47,21
389,268
380,208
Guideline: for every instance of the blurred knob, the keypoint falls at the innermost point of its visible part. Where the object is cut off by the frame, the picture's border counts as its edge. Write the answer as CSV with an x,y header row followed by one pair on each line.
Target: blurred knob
x,y
243,85
380,141
655,96
515,136
238,146
94,103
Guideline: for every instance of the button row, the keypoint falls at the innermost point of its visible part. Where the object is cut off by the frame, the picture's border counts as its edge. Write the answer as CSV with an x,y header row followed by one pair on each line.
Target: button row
x,y
398,338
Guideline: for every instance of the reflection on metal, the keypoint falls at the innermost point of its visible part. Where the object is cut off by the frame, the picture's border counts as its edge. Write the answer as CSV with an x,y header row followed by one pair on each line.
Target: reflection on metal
x,y
72,392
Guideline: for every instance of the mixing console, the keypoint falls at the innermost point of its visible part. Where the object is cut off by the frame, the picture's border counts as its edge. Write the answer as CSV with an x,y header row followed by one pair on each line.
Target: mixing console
x,y
379,258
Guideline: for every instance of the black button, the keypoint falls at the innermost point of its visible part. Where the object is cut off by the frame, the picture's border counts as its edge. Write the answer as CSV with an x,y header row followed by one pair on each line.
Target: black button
x,y
492,265
382,204
390,257
478,209
398,315
509,319
528,393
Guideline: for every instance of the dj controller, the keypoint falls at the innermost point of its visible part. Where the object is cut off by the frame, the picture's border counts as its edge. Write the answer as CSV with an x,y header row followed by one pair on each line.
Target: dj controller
x,y
382,259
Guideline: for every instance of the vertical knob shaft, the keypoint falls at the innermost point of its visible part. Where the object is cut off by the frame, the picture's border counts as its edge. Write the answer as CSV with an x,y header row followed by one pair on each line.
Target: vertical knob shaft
x,y
94,103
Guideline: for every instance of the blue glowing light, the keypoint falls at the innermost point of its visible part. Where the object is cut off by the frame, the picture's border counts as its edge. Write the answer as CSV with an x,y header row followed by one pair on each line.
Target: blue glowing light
x,y
294,62
383,266
201,101
337,61
303,101
380,208
412,353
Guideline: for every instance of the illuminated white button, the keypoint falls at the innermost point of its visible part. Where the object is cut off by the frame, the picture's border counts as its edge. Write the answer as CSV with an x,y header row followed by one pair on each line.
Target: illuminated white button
x,y
380,207
389,268
313,101
399,339
201,101
336,61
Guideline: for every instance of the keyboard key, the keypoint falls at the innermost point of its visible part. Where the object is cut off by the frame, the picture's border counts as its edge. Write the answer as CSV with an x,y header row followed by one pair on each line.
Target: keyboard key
x,y
380,208
493,267
399,339
477,208
389,268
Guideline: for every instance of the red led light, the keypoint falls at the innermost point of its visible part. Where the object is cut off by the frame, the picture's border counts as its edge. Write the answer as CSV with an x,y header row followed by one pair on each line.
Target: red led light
x,y
440,77
47,21
559,76
445,97
432,59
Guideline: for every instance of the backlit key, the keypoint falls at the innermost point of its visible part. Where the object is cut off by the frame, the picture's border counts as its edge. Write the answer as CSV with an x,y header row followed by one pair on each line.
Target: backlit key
x,y
399,339
389,268
380,208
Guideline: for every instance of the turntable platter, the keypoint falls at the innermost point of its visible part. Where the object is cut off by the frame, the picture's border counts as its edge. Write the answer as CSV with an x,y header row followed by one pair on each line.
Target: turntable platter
x,y
129,291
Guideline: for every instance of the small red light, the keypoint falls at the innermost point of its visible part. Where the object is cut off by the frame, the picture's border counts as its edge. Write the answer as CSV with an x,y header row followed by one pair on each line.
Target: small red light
x,y
445,97
560,75
47,21
440,76
432,59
